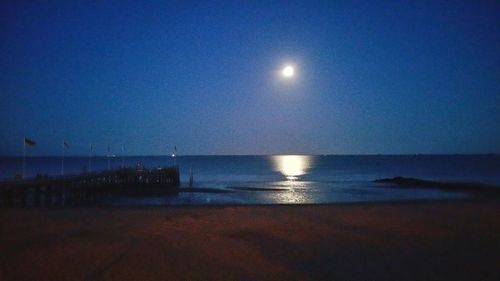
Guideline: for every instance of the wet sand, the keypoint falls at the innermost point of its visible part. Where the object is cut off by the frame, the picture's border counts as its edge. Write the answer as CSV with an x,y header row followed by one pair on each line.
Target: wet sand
x,y
445,240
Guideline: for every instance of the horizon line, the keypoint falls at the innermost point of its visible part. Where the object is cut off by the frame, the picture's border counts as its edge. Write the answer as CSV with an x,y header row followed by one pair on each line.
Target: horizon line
x,y
270,154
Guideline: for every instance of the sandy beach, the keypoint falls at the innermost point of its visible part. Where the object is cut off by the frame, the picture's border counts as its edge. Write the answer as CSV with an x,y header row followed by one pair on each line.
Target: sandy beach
x,y
439,240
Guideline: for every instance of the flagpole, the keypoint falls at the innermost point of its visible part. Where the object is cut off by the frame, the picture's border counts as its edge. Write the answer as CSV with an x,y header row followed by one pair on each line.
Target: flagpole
x,y
175,155
90,159
108,157
123,161
62,160
191,176
24,157
62,164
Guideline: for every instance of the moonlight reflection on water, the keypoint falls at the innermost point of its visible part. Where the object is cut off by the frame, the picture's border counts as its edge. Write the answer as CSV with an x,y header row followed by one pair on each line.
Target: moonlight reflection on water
x,y
292,167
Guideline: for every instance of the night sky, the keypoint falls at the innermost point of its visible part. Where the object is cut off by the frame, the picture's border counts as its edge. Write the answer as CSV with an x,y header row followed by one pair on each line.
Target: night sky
x,y
371,77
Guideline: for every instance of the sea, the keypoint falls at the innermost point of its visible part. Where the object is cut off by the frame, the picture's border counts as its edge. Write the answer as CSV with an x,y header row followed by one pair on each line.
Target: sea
x,y
281,179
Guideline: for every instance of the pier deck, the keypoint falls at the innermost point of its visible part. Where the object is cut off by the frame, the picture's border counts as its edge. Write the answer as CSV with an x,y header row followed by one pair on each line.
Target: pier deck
x,y
89,186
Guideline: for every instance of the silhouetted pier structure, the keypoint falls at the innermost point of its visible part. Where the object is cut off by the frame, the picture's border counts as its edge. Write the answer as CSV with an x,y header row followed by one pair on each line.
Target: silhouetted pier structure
x,y
88,187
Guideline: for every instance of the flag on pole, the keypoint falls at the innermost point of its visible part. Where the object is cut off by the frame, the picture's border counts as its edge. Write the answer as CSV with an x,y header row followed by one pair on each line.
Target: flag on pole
x,y
90,157
174,155
29,142
109,150
65,146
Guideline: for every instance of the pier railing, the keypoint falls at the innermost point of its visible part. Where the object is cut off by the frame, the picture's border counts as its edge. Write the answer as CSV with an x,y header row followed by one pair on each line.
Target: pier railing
x,y
44,190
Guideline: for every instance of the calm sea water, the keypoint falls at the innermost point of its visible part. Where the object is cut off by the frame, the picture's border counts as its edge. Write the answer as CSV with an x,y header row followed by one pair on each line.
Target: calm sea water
x,y
284,178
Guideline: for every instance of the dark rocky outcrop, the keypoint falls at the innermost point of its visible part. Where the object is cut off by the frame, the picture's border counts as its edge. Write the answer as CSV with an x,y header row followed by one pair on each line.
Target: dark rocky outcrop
x,y
476,188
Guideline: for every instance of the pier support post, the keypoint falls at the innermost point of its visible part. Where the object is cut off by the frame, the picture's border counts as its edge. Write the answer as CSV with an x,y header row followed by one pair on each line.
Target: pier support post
x,y
23,194
48,195
37,195
7,197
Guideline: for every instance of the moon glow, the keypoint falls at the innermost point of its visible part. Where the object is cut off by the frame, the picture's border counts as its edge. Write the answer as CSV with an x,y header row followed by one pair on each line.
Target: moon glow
x,y
288,71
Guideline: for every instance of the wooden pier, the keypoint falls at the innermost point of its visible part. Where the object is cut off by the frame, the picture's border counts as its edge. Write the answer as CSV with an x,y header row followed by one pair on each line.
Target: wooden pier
x,y
89,187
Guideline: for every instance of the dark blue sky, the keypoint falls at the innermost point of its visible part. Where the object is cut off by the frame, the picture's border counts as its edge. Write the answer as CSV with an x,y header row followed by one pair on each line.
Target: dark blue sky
x,y
372,77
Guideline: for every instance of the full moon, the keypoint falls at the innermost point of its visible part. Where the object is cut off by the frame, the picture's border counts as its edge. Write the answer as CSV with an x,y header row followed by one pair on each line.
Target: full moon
x,y
288,71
